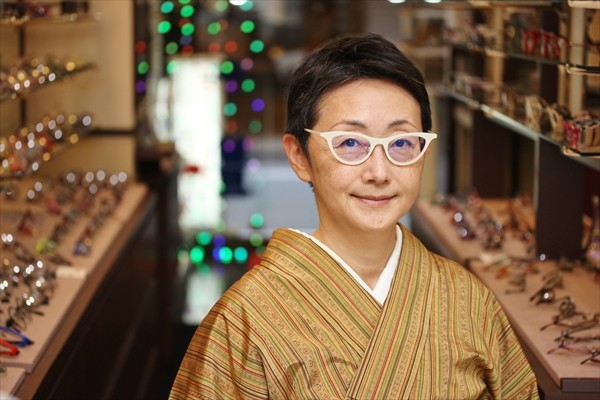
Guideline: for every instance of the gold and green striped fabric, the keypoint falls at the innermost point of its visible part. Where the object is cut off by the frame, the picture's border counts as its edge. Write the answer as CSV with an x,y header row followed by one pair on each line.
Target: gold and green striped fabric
x,y
298,326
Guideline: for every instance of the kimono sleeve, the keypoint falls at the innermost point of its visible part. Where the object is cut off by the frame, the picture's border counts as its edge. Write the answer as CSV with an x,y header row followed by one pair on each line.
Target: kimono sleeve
x,y
221,361
517,380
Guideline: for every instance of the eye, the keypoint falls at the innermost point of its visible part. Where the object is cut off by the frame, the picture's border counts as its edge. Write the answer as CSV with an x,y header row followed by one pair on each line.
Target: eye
x,y
401,143
350,142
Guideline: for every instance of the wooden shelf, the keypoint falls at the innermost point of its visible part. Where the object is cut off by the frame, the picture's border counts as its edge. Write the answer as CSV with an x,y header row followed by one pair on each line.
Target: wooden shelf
x,y
567,377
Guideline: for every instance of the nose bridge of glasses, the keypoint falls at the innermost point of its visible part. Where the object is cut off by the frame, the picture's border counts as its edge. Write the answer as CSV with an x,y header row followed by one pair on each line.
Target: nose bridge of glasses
x,y
375,142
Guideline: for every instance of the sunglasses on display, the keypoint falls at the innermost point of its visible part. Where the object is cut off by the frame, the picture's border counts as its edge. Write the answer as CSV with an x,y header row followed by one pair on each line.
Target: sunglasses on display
x,y
353,148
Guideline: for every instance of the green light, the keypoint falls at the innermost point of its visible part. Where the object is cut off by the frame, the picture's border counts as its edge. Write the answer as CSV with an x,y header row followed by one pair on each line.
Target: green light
x,y
167,7
222,187
213,28
204,238
221,225
230,109
171,48
260,250
184,1
187,29
227,67
247,26
164,27
143,68
225,255
256,239
248,85
247,6
257,220
255,126
187,11
197,255
172,66
221,5
203,269
240,254
257,46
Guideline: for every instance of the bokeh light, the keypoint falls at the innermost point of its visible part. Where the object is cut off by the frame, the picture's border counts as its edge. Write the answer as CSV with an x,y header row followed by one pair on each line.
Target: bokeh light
x,y
240,254
255,126
225,255
257,220
227,67
256,239
197,255
248,85
167,7
204,238
258,105
256,46
186,11
231,86
143,67
247,26
246,64
230,109
164,27
213,28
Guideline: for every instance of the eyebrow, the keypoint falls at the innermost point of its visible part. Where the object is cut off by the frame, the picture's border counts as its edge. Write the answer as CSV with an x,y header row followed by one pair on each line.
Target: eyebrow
x,y
359,124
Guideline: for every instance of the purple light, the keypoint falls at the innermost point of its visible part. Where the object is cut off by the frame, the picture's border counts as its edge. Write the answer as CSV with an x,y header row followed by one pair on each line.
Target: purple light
x,y
248,144
215,254
185,40
253,164
229,146
219,240
258,105
231,86
246,64
140,87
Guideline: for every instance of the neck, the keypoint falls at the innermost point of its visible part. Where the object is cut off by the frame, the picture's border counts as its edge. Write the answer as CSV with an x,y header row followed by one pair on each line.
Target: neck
x,y
366,253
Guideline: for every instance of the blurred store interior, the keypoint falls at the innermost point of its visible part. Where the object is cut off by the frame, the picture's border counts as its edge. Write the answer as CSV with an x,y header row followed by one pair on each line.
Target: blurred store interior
x,y
186,98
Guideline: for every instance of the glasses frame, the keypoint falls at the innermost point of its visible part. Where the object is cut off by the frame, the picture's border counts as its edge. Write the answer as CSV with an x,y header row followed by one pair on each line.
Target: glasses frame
x,y
373,142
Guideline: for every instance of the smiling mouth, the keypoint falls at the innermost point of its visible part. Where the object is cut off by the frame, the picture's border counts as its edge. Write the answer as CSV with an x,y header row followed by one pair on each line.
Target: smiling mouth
x,y
374,200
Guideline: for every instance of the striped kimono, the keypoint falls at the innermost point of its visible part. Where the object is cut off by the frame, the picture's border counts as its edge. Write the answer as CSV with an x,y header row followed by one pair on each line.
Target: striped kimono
x,y
298,326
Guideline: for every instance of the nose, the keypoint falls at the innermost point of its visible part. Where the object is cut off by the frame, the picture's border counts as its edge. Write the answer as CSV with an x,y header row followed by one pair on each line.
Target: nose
x,y
377,166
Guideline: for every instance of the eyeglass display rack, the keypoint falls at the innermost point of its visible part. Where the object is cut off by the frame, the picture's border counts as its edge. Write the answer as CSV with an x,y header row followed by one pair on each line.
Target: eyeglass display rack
x,y
483,148
21,25
99,335
100,313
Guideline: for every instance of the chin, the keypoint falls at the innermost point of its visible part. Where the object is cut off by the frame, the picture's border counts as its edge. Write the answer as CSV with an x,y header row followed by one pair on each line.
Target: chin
x,y
369,226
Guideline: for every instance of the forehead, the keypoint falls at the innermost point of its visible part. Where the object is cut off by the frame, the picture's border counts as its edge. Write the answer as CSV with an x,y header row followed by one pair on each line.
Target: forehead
x,y
368,102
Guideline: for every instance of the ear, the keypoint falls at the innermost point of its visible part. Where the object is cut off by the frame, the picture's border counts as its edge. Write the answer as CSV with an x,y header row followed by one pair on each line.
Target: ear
x,y
296,157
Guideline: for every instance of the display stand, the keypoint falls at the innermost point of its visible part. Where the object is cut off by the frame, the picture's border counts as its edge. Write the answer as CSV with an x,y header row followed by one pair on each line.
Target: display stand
x,y
78,295
560,375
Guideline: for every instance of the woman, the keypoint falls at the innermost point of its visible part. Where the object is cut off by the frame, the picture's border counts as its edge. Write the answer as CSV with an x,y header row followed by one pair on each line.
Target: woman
x,y
359,309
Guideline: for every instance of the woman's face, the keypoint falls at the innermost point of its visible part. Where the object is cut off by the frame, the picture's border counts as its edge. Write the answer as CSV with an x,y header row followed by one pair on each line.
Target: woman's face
x,y
372,196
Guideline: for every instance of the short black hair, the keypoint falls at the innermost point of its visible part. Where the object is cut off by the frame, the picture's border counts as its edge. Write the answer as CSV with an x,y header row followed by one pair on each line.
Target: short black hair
x,y
343,60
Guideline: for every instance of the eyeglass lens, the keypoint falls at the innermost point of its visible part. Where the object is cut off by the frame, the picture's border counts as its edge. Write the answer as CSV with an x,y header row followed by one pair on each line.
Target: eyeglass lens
x,y
354,148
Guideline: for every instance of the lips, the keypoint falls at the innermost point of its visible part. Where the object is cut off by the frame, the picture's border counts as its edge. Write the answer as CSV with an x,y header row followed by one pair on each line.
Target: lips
x,y
374,200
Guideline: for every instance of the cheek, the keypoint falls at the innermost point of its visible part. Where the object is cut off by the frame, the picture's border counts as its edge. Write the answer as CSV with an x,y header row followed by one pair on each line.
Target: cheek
x,y
330,177
410,179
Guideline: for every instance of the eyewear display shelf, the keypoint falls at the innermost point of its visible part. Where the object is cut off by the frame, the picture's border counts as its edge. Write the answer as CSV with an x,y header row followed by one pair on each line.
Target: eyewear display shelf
x,y
560,374
491,140
96,337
